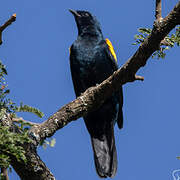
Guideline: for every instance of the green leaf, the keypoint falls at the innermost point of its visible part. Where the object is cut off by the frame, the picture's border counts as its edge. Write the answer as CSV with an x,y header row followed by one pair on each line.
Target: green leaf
x,y
4,70
11,144
26,108
171,40
7,91
52,142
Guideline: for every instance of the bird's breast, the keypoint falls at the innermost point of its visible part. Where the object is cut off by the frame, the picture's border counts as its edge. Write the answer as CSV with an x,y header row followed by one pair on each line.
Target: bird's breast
x,y
92,64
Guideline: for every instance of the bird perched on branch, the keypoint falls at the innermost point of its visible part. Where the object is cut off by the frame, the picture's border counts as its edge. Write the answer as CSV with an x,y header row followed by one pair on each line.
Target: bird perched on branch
x,y
92,60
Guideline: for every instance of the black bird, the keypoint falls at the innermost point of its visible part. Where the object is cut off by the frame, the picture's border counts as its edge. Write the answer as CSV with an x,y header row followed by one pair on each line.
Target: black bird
x,y
92,60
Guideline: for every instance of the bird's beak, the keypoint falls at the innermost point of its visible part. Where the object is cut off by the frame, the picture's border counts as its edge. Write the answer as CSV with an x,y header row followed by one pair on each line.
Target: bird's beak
x,y
74,13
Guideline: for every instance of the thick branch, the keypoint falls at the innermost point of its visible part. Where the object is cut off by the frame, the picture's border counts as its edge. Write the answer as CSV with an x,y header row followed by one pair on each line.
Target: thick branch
x,y
92,98
5,25
35,168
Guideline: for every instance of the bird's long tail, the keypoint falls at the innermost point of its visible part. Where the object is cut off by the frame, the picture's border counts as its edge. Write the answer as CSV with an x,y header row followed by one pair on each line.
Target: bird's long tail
x,y
105,155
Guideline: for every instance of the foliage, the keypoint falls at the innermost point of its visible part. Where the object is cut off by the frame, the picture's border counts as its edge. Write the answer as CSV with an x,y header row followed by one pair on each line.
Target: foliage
x,y
144,33
6,103
170,41
26,108
11,142
50,142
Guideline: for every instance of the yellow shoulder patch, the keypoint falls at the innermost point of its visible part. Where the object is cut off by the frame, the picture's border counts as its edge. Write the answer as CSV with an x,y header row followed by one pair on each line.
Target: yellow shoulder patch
x,y
69,50
110,46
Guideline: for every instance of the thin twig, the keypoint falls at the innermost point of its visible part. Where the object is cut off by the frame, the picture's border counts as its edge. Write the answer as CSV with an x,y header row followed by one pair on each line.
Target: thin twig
x,y
5,25
158,14
159,19
140,78
21,120
164,43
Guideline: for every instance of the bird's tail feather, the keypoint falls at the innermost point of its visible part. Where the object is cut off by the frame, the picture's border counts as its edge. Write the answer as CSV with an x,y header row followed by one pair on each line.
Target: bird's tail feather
x,y
105,155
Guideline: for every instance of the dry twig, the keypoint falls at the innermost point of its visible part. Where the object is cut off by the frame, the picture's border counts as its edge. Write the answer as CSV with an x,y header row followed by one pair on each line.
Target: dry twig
x,y
5,25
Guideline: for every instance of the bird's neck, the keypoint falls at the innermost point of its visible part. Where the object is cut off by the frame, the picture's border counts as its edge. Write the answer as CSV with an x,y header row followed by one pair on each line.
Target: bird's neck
x,y
90,31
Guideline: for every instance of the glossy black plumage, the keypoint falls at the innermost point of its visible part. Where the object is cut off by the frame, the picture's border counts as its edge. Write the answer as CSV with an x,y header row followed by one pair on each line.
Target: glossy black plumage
x,y
91,62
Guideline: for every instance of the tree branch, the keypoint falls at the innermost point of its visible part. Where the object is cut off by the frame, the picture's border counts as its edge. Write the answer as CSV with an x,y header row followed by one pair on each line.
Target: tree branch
x,y
6,24
158,14
35,168
140,78
21,120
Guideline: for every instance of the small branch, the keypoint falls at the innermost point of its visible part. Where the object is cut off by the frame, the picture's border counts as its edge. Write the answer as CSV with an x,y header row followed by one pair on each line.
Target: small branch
x,y
140,78
4,173
5,25
164,43
21,120
158,14
159,19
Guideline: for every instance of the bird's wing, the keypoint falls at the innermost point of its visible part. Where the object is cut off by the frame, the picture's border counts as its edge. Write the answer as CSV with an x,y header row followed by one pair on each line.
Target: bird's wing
x,y
111,49
112,56
109,52
75,72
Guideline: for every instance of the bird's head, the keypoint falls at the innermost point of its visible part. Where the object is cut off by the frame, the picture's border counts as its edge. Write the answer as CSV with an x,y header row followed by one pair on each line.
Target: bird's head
x,y
86,22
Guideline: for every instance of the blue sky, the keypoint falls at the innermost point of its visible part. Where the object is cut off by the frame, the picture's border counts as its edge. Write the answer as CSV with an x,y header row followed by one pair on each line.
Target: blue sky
x,y
35,51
